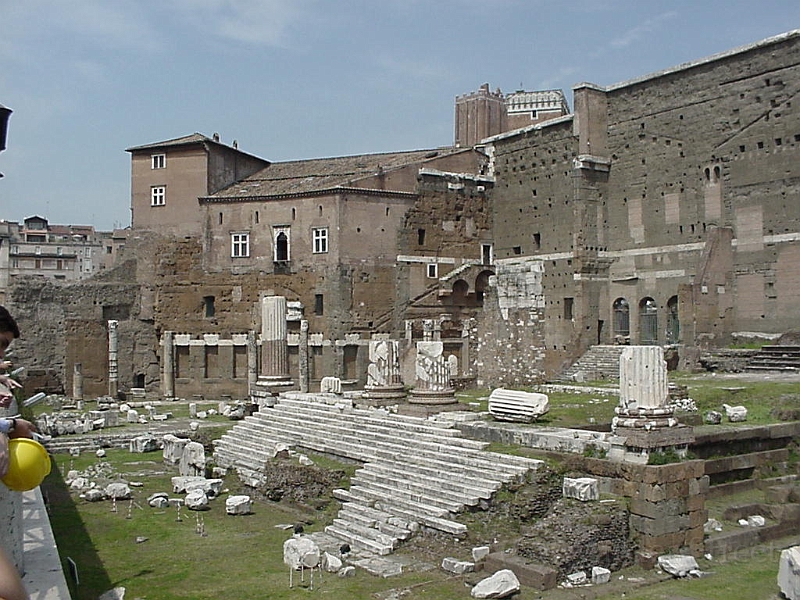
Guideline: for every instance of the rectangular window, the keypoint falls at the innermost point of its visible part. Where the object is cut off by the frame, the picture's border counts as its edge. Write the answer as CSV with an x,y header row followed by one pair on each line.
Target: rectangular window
x,y
486,254
159,161
158,195
319,305
320,237
433,270
568,308
240,245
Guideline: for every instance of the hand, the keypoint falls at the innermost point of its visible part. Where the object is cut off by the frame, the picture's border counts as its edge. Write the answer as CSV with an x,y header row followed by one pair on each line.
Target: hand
x,y
9,382
5,365
23,429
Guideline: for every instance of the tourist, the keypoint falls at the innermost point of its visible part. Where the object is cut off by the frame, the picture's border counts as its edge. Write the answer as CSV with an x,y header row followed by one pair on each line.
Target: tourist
x,y
11,587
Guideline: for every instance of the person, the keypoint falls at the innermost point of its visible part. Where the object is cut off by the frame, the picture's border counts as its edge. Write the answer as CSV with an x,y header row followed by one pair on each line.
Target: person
x,y
14,427
11,587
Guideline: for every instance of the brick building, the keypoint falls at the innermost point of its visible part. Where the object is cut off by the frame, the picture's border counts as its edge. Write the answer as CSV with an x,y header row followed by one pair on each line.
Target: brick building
x,y
661,211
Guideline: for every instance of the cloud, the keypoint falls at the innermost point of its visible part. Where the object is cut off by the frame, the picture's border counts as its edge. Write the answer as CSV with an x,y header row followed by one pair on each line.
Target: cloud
x,y
261,22
642,30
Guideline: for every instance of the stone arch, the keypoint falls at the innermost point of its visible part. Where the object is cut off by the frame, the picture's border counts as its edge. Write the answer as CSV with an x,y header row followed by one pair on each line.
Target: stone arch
x,y
621,318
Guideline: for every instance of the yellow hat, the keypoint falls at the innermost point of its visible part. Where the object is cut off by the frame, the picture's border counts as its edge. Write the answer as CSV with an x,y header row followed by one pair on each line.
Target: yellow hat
x,y
28,464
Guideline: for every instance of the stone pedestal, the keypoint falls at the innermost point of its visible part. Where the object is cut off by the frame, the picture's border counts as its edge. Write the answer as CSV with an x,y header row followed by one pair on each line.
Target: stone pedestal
x,y
384,383
432,377
644,421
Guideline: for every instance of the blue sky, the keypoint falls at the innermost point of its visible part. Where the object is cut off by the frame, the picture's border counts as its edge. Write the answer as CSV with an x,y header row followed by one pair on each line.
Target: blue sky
x,y
292,79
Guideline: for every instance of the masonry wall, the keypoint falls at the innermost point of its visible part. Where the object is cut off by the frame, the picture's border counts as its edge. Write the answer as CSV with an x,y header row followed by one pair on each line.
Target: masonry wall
x,y
631,198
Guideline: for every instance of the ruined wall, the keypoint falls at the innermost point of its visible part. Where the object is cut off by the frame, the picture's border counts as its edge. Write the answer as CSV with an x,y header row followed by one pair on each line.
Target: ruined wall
x,y
63,325
508,343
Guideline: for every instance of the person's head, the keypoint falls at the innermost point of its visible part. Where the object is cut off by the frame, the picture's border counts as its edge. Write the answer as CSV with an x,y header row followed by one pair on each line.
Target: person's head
x,y
9,330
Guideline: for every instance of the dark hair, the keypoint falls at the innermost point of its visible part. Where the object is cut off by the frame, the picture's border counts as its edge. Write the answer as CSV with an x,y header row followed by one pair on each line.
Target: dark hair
x,y
7,322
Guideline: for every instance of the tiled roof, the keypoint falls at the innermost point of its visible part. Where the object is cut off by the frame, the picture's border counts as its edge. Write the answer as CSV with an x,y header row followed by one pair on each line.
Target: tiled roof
x,y
187,139
304,176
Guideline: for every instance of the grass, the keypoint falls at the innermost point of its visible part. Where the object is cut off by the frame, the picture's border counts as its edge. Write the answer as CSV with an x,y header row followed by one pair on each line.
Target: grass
x,y
241,557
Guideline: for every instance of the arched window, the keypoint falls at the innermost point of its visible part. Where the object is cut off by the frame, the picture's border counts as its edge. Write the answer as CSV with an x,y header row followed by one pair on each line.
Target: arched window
x,y
622,318
282,247
673,324
648,321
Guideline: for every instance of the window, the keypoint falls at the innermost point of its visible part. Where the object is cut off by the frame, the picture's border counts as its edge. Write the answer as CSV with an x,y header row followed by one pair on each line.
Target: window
x,y
159,161
319,305
320,236
14,249
282,239
569,303
486,254
240,245
433,270
158,195
59,250
210,309
420,237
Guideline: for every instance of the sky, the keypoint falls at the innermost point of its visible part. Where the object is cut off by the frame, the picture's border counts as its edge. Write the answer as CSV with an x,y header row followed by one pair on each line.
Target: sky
x,y
299,79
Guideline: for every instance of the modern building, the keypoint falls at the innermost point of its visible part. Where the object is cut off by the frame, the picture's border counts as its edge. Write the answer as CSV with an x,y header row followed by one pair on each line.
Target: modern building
x,y
60,252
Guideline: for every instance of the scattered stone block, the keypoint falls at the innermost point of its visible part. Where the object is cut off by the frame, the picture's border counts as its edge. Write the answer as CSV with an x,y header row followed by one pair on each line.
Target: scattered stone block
x,y
479,553
330,385
347,572
582,488
332,563
677,565
756,521
238,505
500,585
196,500
142,444
735,414
711,526
789,573
119,491
459,567
600,575
93,495
578,578
713,417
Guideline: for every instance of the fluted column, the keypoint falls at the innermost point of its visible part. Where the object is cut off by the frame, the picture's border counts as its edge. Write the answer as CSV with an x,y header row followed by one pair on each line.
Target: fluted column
x,y
274,347
432,376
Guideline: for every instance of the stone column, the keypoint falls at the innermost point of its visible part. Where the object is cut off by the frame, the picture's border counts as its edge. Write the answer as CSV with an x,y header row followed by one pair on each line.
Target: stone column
x,y
252,359
113,348
303,356
274,348
645,421
168,359
12,526
77,382
274,375
432,376
384,382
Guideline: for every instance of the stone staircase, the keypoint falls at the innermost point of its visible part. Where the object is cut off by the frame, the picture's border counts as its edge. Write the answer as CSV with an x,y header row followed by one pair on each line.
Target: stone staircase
x,y
775,358
416,473
598,363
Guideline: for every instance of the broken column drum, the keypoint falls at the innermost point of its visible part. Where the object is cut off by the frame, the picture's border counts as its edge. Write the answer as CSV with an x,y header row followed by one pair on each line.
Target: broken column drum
x,y
383,374
432,376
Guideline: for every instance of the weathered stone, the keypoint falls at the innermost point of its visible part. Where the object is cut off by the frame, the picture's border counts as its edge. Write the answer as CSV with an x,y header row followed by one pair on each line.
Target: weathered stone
x,y
332,563
196,500
459,567
789,573
238,505
143,443
578,578
119,491
735,414
600,575
678,565
514,405
480,552
713,417
581,488
93,495
500,585
193,460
